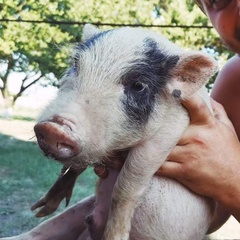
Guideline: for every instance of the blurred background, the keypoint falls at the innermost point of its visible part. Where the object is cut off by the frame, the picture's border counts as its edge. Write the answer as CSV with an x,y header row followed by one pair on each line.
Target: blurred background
x,y
34,40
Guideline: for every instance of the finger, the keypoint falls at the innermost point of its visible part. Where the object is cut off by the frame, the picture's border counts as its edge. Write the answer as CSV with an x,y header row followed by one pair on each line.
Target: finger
x,y
198,110
186,137
101,171
221,115
177,154
169,169
219,112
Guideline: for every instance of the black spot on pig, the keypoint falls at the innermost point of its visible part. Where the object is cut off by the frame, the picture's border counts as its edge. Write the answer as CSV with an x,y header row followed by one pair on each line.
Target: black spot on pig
x,y
176,93
92,41
144,80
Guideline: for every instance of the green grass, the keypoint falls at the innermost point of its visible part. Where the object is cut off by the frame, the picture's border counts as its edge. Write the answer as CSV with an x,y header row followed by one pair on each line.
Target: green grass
x,y
25,176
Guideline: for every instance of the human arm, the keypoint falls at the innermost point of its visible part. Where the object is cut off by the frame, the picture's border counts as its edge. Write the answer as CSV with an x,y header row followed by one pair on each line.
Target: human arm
x,y
226,91
207,158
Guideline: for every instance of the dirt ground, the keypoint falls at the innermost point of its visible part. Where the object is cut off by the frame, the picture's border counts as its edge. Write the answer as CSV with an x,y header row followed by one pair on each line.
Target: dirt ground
x,y
24,130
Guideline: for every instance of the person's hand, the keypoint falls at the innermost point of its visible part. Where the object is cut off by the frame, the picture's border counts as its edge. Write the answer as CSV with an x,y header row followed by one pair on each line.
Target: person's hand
x,y
207,157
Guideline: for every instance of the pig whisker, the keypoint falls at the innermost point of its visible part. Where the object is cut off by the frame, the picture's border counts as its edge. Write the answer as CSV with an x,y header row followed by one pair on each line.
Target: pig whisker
x,y
65,172
32,138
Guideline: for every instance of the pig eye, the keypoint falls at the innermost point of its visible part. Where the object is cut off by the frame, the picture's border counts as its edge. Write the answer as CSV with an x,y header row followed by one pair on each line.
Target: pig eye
x,y
138,86
75,63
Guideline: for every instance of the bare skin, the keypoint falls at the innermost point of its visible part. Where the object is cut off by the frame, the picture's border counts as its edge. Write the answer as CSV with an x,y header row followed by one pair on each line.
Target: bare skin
x,y
213,156
68,225
207,158
226,91
224,16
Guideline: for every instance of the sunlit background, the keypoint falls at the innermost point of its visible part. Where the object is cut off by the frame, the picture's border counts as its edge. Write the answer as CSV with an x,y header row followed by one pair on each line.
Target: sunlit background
x,y
35,38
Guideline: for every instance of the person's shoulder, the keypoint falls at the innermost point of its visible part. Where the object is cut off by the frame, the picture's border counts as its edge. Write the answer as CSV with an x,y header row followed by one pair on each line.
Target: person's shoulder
x,y
232,66
227,83
230,71
226,90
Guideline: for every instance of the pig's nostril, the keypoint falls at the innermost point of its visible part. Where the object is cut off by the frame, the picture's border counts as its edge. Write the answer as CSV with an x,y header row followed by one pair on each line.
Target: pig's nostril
x,y
56,140
64,150
40,137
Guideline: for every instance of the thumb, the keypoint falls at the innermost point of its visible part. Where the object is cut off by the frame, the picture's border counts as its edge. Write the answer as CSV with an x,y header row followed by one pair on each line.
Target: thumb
x,y
197,109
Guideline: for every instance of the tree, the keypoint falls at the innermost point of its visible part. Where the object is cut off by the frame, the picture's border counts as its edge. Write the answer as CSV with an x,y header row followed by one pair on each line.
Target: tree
x,y
29,48
35,49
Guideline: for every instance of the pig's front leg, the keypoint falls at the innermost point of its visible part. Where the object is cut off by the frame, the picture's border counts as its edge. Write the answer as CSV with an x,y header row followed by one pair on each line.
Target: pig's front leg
x,y
141,164
61,189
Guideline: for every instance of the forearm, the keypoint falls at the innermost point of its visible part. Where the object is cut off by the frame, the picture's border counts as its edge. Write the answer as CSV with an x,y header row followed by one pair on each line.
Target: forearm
x,y
220,217
67,225
230,199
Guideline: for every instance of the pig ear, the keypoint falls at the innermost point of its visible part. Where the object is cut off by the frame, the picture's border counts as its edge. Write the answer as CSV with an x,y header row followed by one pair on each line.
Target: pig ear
x,y
192,71
89,31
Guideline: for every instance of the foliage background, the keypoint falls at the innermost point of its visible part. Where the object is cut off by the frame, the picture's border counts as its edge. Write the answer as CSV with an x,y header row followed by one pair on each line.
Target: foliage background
x,y
36,49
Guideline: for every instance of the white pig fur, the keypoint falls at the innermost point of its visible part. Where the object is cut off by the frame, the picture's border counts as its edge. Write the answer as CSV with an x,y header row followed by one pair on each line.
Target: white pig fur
x,y
91,99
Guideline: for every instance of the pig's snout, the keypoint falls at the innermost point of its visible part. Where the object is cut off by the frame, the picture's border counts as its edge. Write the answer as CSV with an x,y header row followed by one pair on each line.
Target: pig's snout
x,y
56,139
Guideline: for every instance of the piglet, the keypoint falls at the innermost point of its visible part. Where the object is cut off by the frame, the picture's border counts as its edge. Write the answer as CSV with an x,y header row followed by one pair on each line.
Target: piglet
x,y
122,92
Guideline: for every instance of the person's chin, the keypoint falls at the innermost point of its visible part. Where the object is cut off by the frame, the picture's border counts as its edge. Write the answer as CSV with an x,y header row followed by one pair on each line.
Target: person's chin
x,y
233,46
